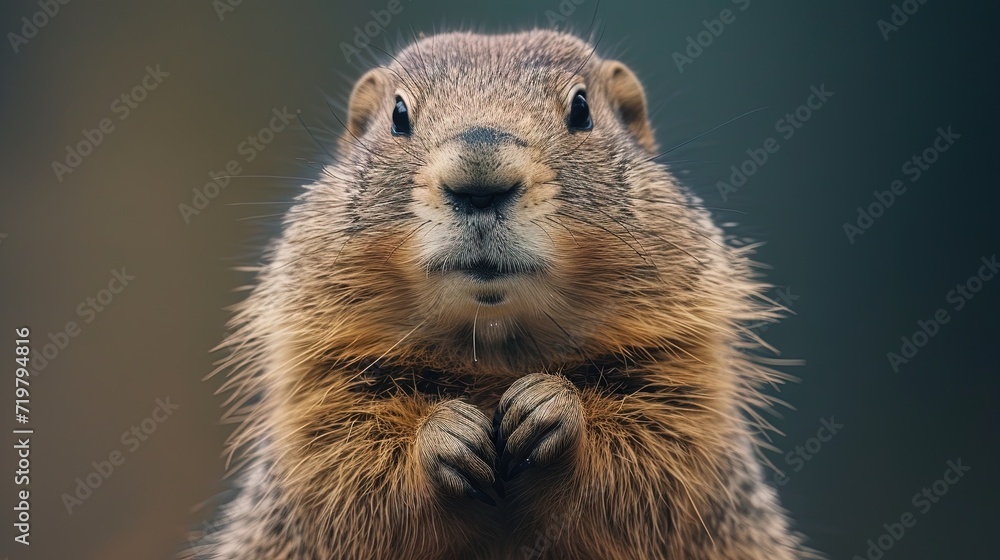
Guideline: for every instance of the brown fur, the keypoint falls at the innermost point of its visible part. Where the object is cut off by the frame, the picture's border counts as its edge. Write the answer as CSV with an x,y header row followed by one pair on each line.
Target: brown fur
x,y
607,406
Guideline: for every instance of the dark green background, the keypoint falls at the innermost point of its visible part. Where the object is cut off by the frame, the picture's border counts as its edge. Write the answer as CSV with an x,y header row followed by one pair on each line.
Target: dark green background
x,y
119,208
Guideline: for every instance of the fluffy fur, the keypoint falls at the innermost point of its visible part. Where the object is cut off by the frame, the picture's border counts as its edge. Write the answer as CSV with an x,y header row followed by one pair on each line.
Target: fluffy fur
x,y
596,399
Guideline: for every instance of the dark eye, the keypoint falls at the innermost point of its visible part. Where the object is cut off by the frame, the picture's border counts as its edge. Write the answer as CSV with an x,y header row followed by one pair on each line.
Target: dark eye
x,y
579,113
400,119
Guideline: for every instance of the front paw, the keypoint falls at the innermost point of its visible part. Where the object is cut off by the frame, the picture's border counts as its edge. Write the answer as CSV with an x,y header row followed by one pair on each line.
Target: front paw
x,y
539,419
455,448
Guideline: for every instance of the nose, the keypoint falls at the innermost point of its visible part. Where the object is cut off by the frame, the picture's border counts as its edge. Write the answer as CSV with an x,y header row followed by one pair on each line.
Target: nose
x,y
477,197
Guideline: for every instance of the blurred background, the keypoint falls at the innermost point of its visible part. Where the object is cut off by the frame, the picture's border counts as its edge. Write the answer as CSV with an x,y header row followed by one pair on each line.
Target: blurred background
x,y
92,232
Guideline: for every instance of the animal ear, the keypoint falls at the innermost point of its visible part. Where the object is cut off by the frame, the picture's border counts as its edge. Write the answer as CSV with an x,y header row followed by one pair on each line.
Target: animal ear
x,y
629,101
368,102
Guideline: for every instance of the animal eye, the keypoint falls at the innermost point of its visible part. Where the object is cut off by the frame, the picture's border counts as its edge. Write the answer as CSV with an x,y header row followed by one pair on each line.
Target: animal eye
x,y
400,118
579,113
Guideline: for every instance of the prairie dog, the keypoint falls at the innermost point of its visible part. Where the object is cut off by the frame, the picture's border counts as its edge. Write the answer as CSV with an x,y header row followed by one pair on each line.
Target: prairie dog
x,y
497,327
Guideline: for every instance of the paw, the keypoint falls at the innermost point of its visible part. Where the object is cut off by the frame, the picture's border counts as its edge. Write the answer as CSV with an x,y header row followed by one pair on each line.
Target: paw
x,y
540,418
455,448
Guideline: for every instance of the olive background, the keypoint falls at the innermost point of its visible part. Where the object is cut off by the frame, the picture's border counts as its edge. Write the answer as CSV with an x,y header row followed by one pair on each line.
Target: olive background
x,y
119,208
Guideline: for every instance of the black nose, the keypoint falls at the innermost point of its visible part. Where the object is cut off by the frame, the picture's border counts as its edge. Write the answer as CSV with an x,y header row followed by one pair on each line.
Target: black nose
x,y
480,198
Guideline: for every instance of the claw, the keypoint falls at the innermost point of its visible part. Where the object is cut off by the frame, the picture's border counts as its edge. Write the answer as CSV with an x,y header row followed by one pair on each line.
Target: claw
x,y
471,489
519,468
503,465
473,492
509,473
498,488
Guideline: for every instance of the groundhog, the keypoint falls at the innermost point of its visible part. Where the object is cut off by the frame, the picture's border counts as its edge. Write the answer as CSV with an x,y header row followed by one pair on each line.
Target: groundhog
x,y
497,327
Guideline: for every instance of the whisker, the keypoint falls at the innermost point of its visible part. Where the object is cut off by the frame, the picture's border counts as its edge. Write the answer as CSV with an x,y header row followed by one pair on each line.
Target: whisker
x,y
475,319
307,179
412,82
560,224
407,236
316,140
544,231
620,238
593,20
259,203
358,140
612,218
703,134
261,217
688,227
